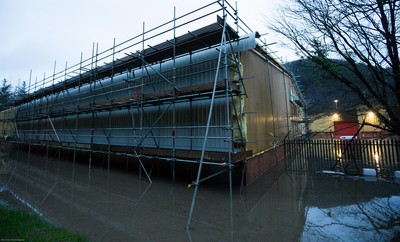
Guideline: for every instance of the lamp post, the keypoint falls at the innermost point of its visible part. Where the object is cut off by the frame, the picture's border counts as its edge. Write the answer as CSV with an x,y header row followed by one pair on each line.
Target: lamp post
x,y
336,101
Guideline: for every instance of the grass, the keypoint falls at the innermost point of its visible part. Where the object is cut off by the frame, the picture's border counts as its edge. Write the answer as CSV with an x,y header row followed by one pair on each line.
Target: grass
x,y
21,226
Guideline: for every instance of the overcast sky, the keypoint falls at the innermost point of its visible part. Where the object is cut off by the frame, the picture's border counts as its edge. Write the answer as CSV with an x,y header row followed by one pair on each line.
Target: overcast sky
x,y
35,34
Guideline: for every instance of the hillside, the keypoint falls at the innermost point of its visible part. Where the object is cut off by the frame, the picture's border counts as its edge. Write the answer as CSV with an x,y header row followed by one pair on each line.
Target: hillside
x,y
320,90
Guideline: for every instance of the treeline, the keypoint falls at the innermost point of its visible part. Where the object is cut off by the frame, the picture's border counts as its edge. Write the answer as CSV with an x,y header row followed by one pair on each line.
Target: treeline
x,y
8,95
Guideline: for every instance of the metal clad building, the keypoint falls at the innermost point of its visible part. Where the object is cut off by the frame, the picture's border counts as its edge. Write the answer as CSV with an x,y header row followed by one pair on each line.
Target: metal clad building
x,y
207,91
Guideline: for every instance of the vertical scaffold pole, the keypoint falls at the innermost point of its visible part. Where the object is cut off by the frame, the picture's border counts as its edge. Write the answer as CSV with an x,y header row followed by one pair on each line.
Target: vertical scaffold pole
x,y
31,125
95,51
174,110
141,109
141,112
77,121
62,123
30,137
110,121
228,116
48,107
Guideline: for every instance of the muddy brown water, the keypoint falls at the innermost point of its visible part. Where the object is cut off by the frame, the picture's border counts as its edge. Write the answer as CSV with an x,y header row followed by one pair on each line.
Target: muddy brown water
x,y
121,205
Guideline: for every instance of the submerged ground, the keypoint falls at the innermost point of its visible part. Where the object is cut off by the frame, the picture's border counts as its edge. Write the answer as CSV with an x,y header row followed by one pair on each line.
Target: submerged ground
x,y
121,205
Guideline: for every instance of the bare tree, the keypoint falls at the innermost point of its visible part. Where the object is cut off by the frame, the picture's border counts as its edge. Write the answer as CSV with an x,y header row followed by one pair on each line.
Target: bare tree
x,y
364,35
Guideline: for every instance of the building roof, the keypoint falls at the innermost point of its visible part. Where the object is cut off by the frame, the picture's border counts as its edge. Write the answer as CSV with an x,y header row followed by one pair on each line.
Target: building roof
x,y
201,38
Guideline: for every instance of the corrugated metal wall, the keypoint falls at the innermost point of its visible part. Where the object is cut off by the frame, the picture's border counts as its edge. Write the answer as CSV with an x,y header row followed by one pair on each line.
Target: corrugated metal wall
x,y
267,107
171,124
180,125
7,125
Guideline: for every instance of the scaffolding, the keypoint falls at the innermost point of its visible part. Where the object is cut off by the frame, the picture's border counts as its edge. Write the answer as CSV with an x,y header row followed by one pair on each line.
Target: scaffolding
x,y
178,100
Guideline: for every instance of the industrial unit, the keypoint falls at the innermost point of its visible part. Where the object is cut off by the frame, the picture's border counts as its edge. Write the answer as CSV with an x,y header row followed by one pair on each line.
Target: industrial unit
x,y
210,92
211,95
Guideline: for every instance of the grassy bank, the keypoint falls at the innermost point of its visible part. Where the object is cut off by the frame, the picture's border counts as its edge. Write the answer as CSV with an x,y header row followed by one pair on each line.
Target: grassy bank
x,y
21,226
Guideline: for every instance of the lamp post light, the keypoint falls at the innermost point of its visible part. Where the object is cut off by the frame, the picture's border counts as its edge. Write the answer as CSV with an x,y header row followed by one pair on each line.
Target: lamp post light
x,y
336,101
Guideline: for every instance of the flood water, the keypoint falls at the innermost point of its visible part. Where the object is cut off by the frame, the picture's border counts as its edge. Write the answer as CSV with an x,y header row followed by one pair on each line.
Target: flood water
x,y
122,205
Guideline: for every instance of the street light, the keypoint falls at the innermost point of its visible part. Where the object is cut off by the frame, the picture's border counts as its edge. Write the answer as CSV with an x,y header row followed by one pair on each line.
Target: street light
x,y
336,101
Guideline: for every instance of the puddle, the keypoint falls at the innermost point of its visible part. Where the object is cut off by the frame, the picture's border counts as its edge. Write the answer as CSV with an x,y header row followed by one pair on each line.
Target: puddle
x,y
352,209
120,204
375,220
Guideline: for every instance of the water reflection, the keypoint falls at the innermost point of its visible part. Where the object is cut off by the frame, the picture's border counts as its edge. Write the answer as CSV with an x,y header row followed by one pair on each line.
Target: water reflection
x,y
351,209
120,204
376,220
5,166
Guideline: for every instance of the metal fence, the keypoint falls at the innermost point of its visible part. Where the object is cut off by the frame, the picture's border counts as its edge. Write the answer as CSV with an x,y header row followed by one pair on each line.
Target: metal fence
x,y
347,156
